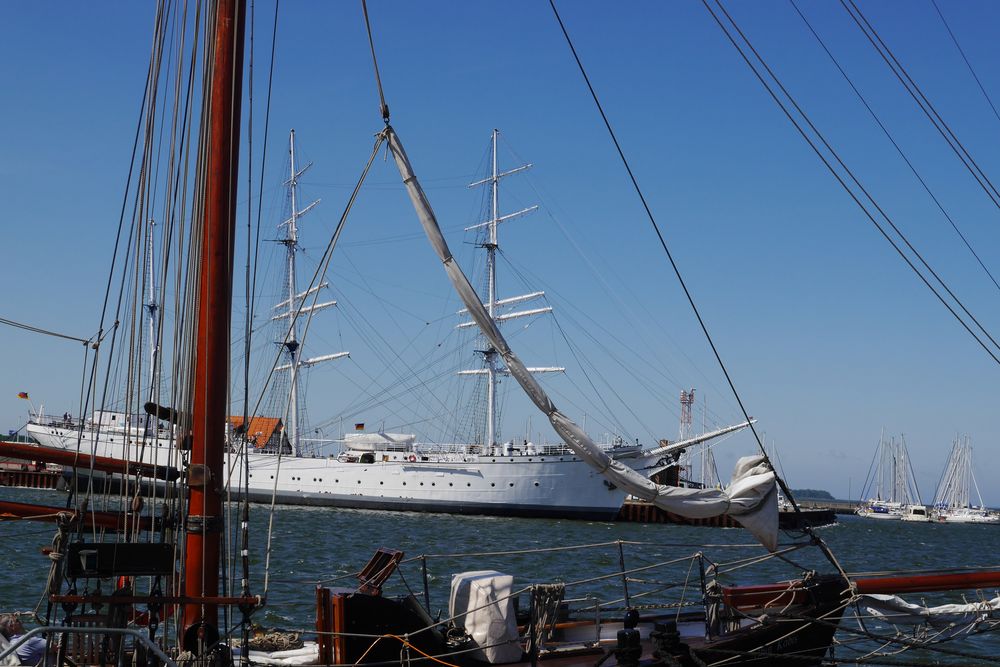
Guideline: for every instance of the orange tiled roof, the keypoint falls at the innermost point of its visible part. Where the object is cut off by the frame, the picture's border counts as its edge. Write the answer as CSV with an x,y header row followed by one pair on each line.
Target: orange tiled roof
x,y
261,428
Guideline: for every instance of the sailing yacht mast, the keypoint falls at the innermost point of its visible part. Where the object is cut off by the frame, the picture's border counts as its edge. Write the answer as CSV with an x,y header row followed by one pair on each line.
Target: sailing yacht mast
x,y
290,308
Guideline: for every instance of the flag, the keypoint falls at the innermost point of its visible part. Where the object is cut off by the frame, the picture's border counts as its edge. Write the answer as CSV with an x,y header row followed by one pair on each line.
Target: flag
x,y
360,426
22,394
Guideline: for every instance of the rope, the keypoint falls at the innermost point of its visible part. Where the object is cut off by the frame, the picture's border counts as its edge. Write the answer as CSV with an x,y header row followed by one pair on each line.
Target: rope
x,y
317,277
383,107
670,257
545,601
46,332
868,30
892,140
274,639
854,179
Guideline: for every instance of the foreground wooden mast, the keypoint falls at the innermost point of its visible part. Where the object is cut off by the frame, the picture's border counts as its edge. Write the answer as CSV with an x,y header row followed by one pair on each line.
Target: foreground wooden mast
x,y
211,380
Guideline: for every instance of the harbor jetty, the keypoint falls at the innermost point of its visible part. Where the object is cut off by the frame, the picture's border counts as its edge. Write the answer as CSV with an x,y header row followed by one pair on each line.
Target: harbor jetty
x,y
812,513
28,474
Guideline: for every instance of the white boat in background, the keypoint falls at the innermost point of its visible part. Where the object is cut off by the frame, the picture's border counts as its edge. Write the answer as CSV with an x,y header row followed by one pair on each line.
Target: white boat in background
x,y
916,513
891,489
952,500
878,509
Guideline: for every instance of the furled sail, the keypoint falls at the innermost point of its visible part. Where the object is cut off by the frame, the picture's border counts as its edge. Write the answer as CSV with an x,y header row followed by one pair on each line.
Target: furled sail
x,y
751,497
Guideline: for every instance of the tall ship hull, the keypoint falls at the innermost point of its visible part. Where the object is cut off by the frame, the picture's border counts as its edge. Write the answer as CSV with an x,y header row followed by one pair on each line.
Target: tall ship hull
x,y
400,476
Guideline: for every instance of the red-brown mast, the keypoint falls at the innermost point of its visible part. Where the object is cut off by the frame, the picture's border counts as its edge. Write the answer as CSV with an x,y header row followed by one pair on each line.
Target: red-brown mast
x,y
211,380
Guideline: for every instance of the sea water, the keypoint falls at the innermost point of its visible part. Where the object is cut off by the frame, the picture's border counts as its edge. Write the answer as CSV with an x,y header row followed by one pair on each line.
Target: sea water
x,y
295,548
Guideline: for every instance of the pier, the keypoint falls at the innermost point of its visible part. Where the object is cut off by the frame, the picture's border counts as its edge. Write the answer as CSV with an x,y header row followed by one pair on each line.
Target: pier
x,y
30,477
813,513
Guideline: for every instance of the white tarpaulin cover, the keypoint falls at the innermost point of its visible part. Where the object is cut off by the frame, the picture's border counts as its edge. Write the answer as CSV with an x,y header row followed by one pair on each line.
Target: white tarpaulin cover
x,y
480,602
751,497
894,609
11,660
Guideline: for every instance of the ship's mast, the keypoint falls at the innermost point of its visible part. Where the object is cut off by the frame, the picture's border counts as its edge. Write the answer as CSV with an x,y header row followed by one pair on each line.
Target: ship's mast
x,y
293,304
491,269
291,341
205,478
490,366
152,309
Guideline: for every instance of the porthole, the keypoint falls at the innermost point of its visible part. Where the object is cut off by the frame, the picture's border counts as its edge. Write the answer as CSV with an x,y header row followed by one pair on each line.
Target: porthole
x,y
492,483
511,485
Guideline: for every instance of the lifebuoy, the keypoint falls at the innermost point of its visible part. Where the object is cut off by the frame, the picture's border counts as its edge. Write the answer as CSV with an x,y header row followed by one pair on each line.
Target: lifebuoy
x,y
412,458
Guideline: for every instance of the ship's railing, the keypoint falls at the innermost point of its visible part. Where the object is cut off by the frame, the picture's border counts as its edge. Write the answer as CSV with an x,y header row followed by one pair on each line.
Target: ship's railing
x,y
137,429
60,629
64,421
500,450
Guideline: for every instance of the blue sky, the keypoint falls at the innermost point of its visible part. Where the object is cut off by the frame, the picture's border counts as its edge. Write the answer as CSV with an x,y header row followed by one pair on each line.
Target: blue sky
x,y
828,336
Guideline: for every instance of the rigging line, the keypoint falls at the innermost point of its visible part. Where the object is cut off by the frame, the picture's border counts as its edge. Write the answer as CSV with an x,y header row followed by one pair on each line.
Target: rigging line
x,y
583,369
46,332
320,271
640,376
402,387
383,107
398,354
666,250
848,171
889,136
846,187
626,309
148,101
568,308
967,63
925,105
128,187
252,291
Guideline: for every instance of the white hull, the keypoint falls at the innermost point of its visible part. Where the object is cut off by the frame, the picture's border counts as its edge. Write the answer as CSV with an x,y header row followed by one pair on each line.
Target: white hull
x,y
517,485
967,516
875,509
879,515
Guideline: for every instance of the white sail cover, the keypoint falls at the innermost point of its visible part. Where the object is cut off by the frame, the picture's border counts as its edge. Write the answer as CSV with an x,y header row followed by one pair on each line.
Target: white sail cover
x,y
481,603
751,497
894,609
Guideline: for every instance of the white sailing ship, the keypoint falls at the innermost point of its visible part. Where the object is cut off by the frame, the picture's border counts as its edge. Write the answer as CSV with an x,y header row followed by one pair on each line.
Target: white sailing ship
x,y
386,471
953,498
